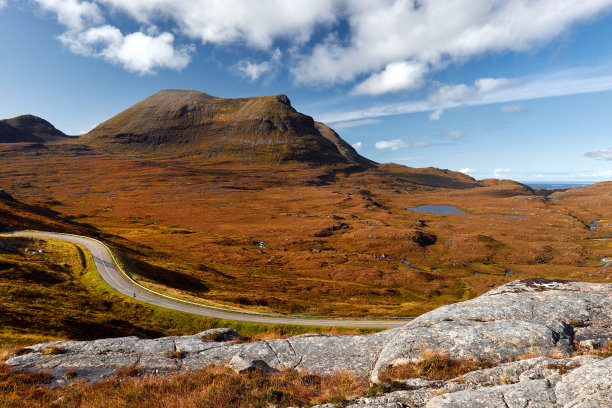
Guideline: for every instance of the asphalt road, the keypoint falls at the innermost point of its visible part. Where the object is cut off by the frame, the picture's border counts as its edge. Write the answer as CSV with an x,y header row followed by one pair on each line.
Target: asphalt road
x,y
110,273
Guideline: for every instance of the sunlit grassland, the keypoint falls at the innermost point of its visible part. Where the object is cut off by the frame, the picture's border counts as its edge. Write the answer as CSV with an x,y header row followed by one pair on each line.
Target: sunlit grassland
x,y
336,247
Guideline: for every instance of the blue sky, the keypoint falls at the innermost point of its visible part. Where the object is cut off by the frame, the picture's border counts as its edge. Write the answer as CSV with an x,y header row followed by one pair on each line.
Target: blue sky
x,y
518,89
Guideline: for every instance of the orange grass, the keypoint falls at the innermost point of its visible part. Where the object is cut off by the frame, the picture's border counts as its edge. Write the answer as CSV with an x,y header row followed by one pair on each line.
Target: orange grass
x,y
433,367
204,220
211,387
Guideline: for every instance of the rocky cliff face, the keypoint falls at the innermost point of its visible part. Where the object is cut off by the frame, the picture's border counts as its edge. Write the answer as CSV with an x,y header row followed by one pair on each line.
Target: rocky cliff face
x,y
30,129
510,326
260,129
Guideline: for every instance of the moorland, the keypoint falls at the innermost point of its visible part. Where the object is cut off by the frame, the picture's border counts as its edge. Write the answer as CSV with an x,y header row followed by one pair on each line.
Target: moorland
x,y
257,207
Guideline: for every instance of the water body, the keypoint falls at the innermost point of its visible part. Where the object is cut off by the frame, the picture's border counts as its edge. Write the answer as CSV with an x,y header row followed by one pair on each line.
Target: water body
x,y
607,261
553,199
592,225
553,185
437,209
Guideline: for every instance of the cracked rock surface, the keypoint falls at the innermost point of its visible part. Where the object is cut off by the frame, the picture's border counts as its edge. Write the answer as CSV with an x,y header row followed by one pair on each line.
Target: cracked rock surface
x,y
522,318
95,360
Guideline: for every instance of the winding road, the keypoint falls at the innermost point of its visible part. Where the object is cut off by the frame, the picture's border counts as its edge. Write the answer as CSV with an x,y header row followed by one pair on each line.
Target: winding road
x,y
112,273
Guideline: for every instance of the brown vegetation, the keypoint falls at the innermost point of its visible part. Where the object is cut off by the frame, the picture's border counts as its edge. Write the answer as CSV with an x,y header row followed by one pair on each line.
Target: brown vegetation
x,y
246,234
209,387
433,367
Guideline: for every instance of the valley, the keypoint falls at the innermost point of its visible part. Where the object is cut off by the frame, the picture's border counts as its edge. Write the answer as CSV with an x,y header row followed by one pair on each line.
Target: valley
x,y
311,240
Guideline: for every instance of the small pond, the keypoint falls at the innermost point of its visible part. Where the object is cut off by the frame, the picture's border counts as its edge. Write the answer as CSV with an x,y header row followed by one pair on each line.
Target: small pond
x,y
437,209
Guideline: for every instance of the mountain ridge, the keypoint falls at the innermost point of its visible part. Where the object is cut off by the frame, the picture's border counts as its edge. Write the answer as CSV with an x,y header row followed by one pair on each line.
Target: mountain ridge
x,y
257,129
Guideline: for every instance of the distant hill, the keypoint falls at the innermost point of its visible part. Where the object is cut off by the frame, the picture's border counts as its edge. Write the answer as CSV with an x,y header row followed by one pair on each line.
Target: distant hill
x,y
430,176
30,129
434,177
264,129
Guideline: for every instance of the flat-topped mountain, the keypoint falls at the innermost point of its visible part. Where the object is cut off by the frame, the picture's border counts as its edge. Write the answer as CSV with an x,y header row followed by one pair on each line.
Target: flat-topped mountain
x,y
259,129
28,128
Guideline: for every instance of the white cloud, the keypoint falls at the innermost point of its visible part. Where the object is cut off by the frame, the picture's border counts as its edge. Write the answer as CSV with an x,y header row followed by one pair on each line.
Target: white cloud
x,y
466,170
355,123
254,23
397,76
436,115
254,70
422,144
437,33
357,146
393,43
562,83
605,154
136,52
501,173
452,94
395,144
492,84
3,3
512,108
74,14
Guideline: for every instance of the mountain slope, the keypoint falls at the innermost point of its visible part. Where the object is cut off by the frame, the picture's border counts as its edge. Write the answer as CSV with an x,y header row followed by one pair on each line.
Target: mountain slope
x,y
28,128
260,129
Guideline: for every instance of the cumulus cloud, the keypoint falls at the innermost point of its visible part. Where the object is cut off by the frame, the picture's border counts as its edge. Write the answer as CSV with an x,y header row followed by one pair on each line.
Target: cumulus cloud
x,y
136,52
254,23
254,70
355,123
436,115
437,33
74,14
466,170
395,144
357,146
3,3
397,76
605,154
394,44
512,109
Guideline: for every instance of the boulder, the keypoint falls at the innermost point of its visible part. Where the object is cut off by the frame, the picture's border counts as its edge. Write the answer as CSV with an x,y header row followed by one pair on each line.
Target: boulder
x,y
526,318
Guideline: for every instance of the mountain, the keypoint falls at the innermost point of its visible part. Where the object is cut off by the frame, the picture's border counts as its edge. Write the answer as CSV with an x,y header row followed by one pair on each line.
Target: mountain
x,y
260,129
28,128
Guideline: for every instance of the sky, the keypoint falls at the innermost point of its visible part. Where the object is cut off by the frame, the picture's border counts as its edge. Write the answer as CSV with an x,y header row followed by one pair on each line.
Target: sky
x,y
518,89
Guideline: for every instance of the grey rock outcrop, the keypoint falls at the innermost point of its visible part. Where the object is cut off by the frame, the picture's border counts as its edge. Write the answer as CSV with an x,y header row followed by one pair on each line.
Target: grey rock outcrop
x,y
324,354
526,318
539,382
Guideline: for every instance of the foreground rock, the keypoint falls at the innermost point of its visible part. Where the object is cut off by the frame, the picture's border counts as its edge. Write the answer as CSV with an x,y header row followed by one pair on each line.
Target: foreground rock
x,y
517,321
526,318
99,359
583,381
